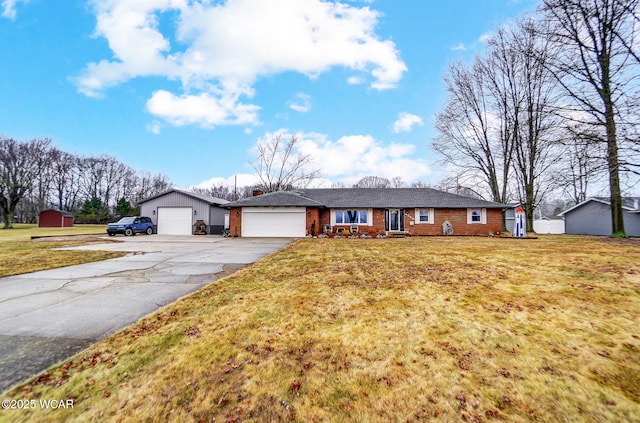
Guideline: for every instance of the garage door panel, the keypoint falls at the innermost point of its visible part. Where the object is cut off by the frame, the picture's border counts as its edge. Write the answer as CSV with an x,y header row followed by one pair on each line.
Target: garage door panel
x,y
174,220
274,223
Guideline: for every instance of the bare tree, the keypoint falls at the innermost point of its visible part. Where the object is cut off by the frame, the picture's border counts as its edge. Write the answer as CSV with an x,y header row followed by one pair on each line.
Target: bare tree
x,y
37,198
42,187
126,187
149,185
103,177
115,173
18,172
497,127
517,57
219,191
92,171
34,175
397,182
597,65
460,184
469,131
420,184
580,164
280,166
372,182
65,176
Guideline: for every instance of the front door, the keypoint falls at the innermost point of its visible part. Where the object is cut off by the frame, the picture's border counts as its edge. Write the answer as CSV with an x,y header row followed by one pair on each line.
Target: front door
x,y
394,221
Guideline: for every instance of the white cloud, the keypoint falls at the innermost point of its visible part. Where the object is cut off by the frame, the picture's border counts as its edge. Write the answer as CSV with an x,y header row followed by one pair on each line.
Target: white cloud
x,y
204,109
405,122
353,157
475,45
346,160
485,38
154,127
222,49
9,8
300,103
241,179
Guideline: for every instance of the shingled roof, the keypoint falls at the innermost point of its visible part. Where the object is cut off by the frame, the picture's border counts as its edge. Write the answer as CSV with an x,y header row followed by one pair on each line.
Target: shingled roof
x,y
365,198
629,204
276,199
206,198
62,212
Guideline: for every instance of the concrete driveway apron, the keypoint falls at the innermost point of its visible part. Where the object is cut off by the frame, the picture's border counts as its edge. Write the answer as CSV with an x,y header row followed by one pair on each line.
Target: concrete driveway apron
x,y
47,316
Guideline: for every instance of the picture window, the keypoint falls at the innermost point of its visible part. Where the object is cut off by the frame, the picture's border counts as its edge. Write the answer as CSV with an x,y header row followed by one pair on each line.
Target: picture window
x,y
351,217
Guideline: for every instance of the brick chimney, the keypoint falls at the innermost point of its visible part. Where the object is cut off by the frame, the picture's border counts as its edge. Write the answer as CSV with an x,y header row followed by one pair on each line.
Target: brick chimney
x,y
257,192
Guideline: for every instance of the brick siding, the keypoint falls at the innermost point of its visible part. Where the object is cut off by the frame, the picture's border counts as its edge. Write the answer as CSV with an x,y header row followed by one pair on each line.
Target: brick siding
x,y
457,217
235,222
314,227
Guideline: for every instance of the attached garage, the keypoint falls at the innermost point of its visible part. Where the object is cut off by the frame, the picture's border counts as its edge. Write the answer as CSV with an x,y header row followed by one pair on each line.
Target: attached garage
x,y
274,222
175,220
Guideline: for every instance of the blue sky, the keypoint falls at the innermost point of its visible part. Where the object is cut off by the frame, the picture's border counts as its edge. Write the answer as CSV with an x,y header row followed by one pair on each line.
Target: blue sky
x,y
188,88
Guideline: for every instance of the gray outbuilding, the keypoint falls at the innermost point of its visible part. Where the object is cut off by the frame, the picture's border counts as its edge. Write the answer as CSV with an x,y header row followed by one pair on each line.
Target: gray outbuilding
x,y
176,212
593,217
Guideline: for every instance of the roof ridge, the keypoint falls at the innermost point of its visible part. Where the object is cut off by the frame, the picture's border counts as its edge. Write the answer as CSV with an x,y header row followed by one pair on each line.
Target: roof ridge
x,y
204,197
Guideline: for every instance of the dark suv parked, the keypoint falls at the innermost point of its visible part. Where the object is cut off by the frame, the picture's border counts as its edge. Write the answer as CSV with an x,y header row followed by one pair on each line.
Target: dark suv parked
x,y
130,226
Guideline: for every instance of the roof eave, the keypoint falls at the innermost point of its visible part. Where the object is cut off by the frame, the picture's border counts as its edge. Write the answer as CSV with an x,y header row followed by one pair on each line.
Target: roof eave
x,y
211,201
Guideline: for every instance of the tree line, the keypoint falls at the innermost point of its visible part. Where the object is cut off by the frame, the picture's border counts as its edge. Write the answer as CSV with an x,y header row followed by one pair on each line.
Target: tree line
x,y
551,105
35,175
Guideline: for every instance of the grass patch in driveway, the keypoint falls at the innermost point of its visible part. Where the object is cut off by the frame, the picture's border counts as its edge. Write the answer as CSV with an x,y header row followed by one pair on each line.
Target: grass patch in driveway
x,y
413,329
18,257
24,231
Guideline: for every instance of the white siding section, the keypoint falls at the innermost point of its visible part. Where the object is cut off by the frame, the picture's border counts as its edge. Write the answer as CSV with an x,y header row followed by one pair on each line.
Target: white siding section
x,y
554,226
274,222
177,199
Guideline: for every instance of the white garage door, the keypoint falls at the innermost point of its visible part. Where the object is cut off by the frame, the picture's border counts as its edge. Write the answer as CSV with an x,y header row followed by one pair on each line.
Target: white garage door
x,y
174,220
274,222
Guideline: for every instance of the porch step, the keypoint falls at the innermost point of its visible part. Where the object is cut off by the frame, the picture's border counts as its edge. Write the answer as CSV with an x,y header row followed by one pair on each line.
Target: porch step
x,y
397,234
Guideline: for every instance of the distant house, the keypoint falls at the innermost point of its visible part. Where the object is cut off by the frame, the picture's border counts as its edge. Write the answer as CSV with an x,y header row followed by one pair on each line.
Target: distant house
x,y
412,211
593,217
53,218
175,212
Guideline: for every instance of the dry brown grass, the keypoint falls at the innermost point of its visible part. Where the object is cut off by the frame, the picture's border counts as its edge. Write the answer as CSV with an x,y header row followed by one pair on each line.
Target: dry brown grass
x,y
24,231
415,329
18,257
19,254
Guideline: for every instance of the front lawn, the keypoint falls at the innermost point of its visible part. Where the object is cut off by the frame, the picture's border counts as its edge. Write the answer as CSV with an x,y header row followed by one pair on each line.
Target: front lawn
x,y
415,329
19,254
24,231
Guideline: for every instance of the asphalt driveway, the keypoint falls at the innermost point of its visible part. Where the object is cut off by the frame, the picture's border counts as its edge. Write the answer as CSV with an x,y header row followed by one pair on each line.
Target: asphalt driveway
x,y
47,316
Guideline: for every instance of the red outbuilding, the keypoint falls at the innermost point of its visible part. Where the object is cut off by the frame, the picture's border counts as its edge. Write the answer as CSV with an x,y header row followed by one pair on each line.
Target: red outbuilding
x,y
55,219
